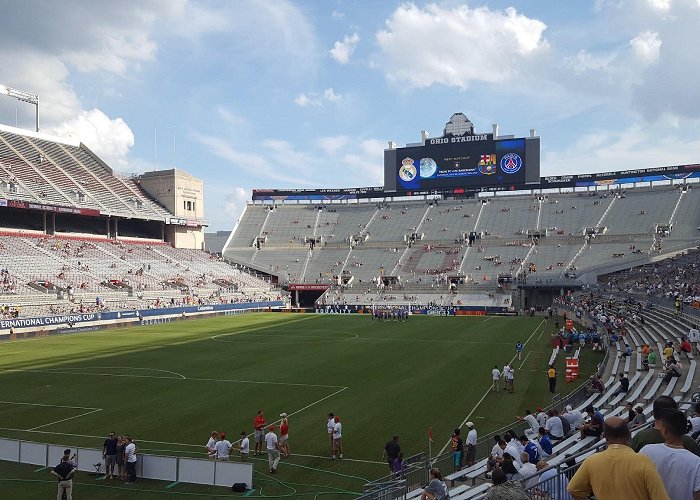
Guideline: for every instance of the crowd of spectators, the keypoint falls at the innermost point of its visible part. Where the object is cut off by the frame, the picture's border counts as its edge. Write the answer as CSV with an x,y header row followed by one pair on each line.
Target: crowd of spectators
x,y
674,278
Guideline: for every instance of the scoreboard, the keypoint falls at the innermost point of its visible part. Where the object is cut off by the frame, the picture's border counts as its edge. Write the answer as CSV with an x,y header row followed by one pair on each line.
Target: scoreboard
x,y
469,161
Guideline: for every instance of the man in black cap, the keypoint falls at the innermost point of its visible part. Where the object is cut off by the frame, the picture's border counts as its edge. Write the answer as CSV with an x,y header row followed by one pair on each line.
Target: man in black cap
x,y
652,435
391,450
64,472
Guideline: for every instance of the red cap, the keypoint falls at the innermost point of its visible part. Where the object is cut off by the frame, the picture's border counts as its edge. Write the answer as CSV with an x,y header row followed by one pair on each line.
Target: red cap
x,y
272,427
539,408
337,418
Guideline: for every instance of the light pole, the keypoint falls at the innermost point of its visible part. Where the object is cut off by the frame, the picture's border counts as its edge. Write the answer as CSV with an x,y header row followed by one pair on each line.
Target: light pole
x,y
24,97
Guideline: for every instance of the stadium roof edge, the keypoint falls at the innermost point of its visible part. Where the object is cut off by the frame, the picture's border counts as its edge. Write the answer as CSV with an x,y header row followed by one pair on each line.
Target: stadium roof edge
x,y
39,135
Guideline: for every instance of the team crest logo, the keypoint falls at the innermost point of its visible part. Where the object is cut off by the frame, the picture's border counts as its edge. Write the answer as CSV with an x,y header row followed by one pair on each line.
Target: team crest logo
x,y
487,164
407,171
511,163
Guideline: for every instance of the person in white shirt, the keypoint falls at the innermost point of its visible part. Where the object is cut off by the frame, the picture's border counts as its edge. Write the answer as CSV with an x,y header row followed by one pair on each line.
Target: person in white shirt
x,y
679,469
211,444
337,438
554,427
513,450
130,453
526,470
244,447
470,448
575,417
509,376
330,423
495,376
541,416
223,448
273,452
694,337
532,422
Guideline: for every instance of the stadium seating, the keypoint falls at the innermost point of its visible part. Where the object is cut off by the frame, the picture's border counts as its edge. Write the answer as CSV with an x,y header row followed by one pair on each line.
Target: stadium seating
x,y
381,236
49,171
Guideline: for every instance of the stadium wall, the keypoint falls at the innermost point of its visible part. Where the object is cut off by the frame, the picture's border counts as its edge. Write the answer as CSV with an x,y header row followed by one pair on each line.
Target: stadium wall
x,y
43,325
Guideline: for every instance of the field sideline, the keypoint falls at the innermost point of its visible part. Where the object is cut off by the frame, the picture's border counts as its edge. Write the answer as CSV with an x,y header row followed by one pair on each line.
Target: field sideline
x,y
171,385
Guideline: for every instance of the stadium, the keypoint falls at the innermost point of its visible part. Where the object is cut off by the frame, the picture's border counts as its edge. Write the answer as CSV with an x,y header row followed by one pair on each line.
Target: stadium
x,y
385,306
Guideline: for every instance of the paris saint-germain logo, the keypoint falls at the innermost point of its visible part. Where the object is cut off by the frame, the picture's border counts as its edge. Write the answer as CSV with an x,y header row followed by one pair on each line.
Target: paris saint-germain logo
x,y
511,163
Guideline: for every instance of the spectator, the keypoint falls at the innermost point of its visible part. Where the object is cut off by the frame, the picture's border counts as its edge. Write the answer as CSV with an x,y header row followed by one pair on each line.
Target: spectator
x,y
504,489
436,489
130,454
638,419
273,452
526,470
595,426
391,451
532,422
223,448
551,485
244,446
624,385
545,443
109,453
552,377
531,449
617,473
673,370
495,377
496,456
575,418
64,472
457,450
679,469
554,427
652,435
211,444
695,422
470,448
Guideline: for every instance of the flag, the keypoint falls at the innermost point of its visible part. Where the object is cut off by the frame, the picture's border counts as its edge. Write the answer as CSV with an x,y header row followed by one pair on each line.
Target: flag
x,y
430,434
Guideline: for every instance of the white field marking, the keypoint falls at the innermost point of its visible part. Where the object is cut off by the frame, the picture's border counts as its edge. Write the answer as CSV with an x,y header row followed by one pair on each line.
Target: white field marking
x,y
291,338
79,369
466,419
49,406
134,375
65,419
488,319
521,364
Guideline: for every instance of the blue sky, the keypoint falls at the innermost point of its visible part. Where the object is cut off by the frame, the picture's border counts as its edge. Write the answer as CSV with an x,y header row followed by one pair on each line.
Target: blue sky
x,y
307,94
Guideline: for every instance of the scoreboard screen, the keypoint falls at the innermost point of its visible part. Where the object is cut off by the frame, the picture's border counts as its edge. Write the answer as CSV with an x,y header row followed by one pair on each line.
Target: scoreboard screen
x,y
469,161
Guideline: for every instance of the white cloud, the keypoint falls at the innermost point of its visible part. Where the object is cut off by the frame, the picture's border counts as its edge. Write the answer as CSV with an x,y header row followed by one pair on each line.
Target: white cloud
x,y
636,146
336,14
585,61
457,46
109,138
331,145
342,51
235,201
646,47
316,99
330,95
662,5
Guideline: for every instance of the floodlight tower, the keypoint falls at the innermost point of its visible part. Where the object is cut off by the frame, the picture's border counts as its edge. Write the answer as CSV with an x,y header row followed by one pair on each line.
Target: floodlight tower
x,y
23,96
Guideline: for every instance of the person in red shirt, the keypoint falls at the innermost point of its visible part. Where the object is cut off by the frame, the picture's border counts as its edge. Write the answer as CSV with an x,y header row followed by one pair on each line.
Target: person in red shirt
x,y
685,346
284,435
259,434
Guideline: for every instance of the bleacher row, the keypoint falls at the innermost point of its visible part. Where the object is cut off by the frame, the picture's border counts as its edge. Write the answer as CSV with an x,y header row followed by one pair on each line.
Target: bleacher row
x,y
380,233
53,172
122,274
660,325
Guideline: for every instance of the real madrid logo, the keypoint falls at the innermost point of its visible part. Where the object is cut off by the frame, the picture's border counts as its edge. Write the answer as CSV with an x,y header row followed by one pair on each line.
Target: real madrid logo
x,y
407,171
511,163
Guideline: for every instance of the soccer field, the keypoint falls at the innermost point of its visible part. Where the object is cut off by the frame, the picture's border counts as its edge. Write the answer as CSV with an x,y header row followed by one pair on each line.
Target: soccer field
x,y
170,385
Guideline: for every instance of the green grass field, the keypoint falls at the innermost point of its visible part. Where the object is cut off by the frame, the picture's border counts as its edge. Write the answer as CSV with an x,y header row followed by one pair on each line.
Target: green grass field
x,y
170,385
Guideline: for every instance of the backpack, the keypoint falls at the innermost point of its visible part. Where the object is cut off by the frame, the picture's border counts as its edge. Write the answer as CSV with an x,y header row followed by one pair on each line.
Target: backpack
x,y
239,487
565,425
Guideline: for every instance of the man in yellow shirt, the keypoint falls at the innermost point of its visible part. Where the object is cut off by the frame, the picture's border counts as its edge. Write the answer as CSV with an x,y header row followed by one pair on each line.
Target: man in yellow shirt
x,y
617,472
552,376
668,353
